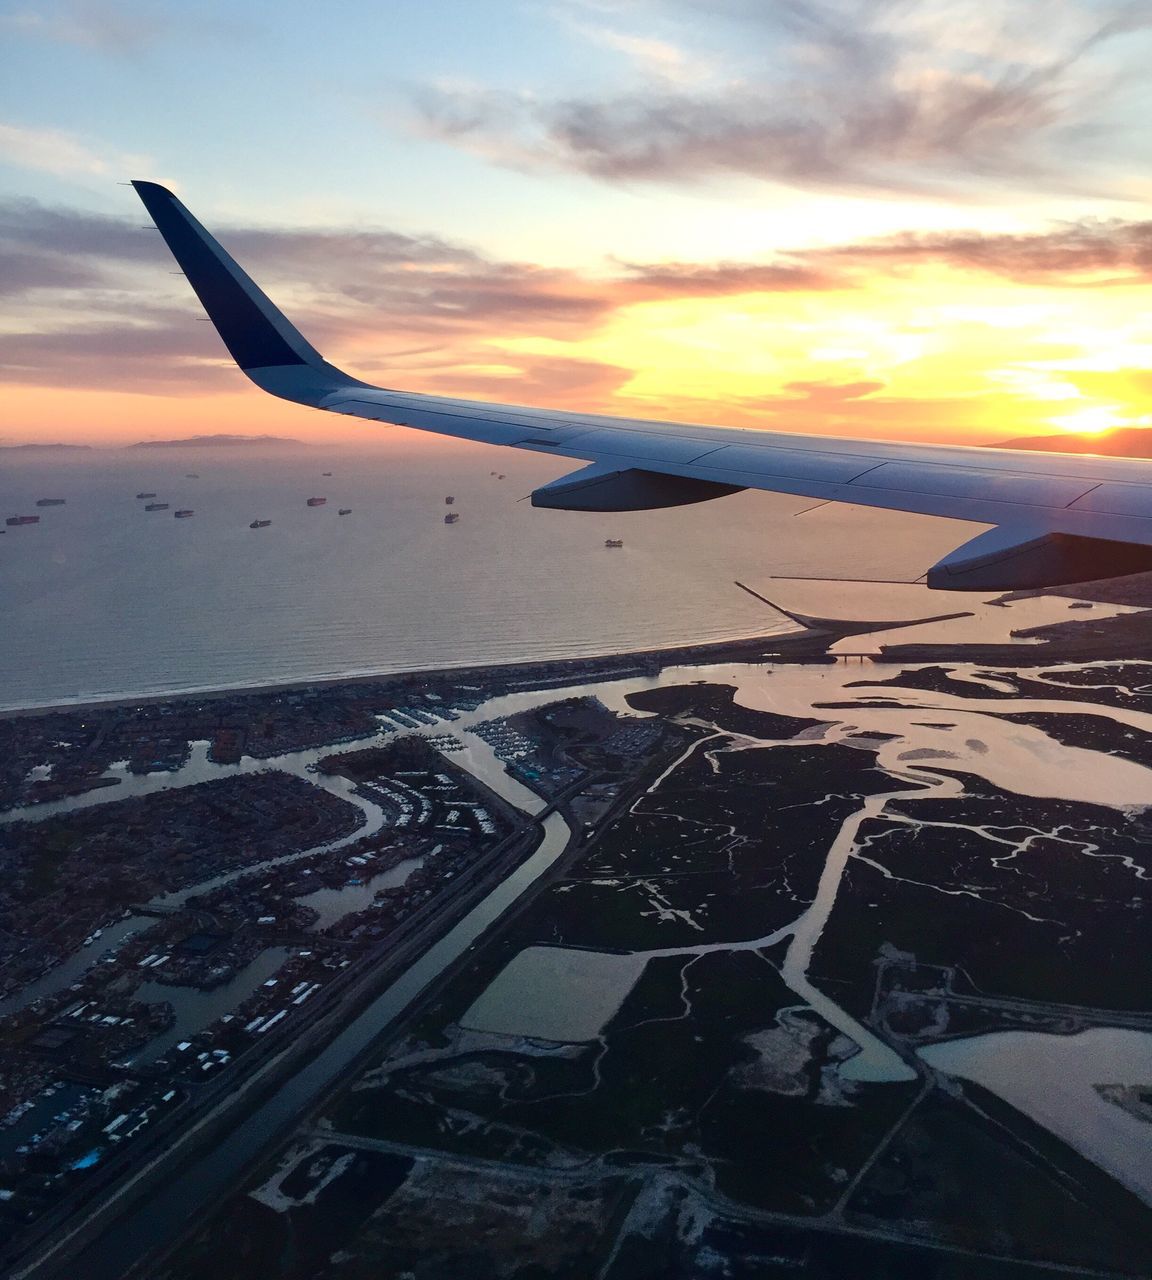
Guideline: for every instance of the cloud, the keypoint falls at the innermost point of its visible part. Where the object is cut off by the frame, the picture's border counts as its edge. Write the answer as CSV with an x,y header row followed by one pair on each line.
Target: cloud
x,y
154,350
861,95
884,417
833,392
559,382
29,226
90,303
659,59
78,280
56,151
22,272
421,279
428,304
109,26
721,279
1092,252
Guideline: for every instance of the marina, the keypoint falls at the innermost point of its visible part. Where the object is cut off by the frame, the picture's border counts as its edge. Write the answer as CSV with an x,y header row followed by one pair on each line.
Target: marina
x,y
334,904
195,1010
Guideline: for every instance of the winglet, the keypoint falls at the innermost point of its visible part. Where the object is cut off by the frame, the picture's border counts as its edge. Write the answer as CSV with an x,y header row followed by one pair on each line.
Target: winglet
x,y
258,335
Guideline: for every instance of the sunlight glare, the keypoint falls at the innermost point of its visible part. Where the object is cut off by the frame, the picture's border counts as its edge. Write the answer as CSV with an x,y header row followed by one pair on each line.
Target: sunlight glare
x,y
1089,421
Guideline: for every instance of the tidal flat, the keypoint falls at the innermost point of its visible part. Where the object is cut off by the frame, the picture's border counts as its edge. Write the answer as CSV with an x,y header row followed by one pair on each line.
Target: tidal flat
x,y
727,1017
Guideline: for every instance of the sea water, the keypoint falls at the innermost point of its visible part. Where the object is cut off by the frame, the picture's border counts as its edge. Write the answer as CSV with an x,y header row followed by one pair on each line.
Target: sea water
x,y
102,598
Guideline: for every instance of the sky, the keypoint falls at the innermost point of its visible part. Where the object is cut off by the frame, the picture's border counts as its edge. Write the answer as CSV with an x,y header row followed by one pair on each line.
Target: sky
x,y
902,219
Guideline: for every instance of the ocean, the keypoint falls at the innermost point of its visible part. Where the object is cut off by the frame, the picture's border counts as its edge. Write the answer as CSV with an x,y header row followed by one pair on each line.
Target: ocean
x,y
102,599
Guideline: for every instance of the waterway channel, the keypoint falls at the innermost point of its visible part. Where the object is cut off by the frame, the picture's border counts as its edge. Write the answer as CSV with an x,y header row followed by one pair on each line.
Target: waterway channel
x,y
196,1009
334,904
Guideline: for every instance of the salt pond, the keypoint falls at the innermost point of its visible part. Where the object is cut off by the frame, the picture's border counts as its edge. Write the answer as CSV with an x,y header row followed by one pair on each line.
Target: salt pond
x,y
1052,1080
555,993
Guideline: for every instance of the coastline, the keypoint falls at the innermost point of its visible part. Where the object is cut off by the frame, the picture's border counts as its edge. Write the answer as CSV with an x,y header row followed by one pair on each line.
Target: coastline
x,y
805,646
1120,638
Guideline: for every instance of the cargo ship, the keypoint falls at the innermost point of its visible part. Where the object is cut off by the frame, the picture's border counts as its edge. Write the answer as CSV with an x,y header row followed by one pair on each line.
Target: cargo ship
x,y
157,506
451,517
613,542
259,524
184,514
192,475
145,495
317,502
12,520
345,511
325,473
50,502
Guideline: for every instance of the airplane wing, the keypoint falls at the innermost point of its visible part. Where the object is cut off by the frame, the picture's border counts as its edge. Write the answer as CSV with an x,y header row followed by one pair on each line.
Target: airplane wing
x,y
1058,518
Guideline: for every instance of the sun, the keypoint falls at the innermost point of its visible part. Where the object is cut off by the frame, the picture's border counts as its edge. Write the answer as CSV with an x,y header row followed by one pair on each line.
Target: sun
x,y
1090,421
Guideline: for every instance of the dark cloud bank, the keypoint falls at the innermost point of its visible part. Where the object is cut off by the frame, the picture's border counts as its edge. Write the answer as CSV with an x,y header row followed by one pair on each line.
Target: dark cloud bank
x,y
101,312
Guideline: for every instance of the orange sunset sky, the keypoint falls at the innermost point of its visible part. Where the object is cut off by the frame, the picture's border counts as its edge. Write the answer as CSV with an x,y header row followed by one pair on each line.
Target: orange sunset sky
x,y
900,218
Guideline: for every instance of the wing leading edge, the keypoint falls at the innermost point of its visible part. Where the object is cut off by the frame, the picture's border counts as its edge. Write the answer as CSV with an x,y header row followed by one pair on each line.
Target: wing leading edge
x,y
1059,517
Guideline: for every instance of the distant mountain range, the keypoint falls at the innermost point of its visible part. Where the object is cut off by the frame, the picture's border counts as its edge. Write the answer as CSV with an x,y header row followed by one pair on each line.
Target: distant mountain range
x,y
1123,442
213,441
43,448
